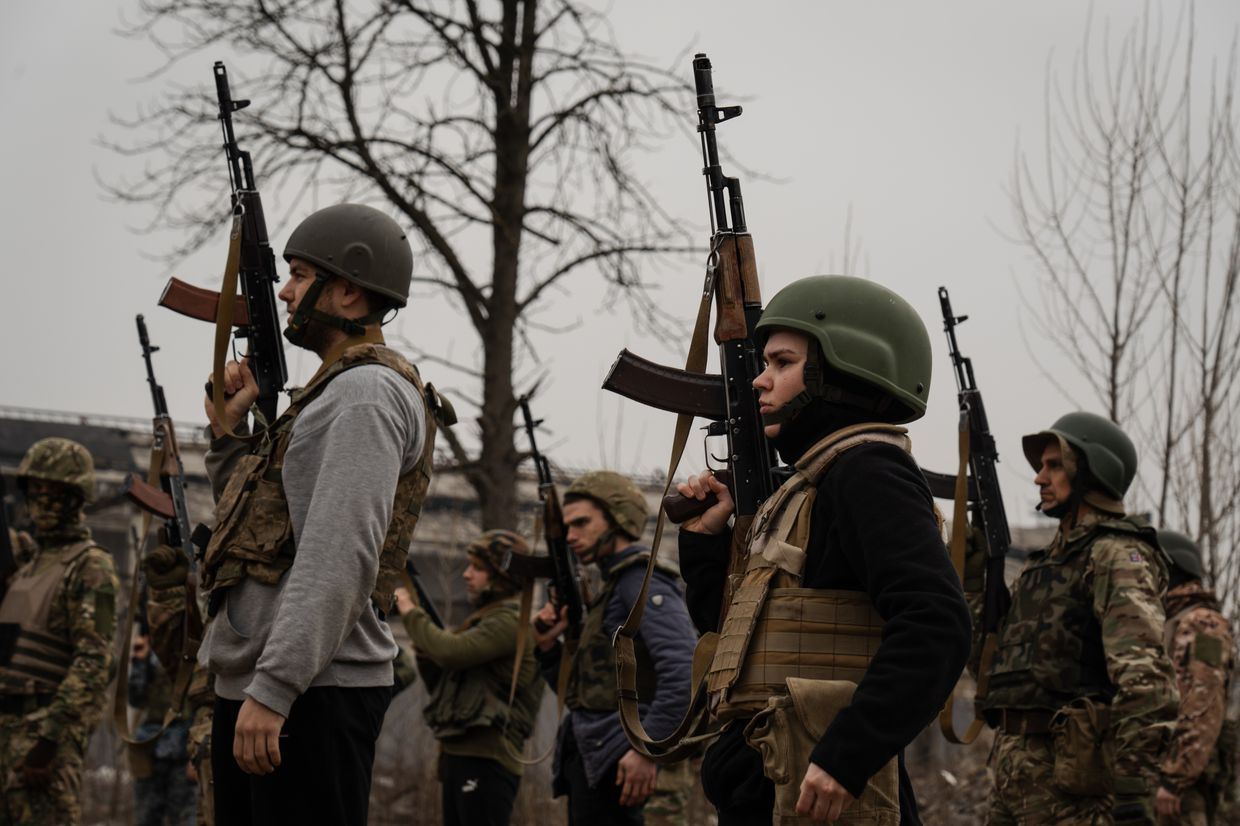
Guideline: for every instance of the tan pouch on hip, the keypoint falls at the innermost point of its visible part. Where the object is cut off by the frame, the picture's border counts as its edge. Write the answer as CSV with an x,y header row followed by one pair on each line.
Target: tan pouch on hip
x,y
1084,755
786,732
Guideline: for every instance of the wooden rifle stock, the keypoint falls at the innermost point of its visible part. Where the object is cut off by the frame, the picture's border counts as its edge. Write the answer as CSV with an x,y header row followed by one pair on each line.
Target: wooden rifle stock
x,y
199,302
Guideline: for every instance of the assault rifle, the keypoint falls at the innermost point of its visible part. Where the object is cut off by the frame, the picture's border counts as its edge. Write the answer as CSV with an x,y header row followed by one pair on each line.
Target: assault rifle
x,y
727,400
559,566
167,501
424,598
254,313
979,493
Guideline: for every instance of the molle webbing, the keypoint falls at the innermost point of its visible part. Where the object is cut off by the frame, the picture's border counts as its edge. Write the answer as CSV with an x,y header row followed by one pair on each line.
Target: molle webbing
x,y
809,633
253,537
805,632
38,659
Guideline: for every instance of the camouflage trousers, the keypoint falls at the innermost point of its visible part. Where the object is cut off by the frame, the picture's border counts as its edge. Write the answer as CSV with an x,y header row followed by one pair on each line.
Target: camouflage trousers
x,y
1024,794
668,804
1193,811
200,759
54,804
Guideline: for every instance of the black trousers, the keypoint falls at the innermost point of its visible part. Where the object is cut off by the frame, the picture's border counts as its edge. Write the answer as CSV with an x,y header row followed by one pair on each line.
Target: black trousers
x,y
327,751
598,806
476,791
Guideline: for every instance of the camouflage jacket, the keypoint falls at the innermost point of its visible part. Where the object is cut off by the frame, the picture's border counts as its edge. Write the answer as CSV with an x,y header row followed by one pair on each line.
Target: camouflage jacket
x,y
1200,645
1087,620
84,612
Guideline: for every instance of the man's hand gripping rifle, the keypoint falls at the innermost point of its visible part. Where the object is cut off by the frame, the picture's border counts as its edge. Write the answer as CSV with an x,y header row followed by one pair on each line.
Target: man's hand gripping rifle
x,y
254,314
977,495
727,400
170,566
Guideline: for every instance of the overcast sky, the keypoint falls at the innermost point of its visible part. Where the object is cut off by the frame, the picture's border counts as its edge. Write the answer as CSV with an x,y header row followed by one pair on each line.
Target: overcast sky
x,y
907,113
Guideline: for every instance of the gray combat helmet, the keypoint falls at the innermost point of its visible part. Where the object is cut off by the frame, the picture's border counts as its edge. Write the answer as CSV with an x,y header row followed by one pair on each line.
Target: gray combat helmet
x,y
1108,452
1183,551
358,243
863,330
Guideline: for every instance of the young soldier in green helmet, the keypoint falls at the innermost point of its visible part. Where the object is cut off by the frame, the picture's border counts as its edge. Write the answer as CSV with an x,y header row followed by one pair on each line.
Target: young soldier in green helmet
x,y
468,673
57,626
846,629
314,520
1080,691
1200,761
606,781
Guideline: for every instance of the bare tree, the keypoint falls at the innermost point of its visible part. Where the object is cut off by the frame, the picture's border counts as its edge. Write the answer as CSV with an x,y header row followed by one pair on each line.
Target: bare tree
x,y
503,133
1134,219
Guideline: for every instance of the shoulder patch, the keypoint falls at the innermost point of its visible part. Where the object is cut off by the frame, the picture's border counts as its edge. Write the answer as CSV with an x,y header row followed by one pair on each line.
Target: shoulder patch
x,y
1208,650
1135,556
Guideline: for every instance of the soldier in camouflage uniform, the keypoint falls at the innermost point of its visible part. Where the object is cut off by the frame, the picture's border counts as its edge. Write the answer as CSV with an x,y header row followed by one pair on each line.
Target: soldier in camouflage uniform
x,y
163,790
57,625
468,673
606,781
166,571
1199,642
1080,690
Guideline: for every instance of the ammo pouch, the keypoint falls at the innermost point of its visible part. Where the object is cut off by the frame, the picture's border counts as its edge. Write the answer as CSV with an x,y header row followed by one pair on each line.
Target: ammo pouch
x,y
786,732
1084,753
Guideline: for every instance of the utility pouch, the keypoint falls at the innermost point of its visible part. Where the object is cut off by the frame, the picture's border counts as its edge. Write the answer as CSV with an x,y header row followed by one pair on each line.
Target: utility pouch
x,y
786,732
1084,754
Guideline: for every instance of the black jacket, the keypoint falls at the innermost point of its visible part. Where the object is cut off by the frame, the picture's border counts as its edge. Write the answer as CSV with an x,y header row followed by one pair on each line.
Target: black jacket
x,y
873,530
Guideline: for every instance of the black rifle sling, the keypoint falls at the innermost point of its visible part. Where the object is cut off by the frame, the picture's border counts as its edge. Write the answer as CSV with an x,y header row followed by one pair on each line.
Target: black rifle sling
x,y
681,742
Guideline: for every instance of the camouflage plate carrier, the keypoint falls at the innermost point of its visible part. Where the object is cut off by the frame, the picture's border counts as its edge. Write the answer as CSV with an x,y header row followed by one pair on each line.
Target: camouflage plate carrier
x,y
254,534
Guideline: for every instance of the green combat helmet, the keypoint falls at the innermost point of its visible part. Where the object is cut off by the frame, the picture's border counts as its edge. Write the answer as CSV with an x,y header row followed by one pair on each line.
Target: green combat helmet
x,y
492,550
617,496
864,331
361,245
1183,551
1109,455
62,461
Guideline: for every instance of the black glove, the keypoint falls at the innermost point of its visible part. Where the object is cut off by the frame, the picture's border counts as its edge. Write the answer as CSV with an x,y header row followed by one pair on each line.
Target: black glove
x,y
36,768
165,567
1133,810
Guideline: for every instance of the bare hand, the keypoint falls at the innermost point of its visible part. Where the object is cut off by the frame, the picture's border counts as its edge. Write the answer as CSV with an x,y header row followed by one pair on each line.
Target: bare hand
x,y
635,775
256,740
822,798
1167,803
240,393
715,519
554,623
191,773
404,601
141,647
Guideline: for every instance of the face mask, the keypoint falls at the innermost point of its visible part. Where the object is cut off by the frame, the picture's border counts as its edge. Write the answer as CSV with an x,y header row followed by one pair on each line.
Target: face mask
x,y
53,512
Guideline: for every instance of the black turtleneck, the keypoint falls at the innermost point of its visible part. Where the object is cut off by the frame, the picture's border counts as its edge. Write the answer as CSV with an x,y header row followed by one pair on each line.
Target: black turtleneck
x,y
873,529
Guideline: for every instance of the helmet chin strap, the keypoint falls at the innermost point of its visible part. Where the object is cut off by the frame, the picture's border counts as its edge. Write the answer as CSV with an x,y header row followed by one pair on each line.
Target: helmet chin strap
x,y
305,312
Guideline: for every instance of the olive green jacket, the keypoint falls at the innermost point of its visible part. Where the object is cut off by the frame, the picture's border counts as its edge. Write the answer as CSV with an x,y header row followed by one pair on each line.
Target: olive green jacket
x,y
468,677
